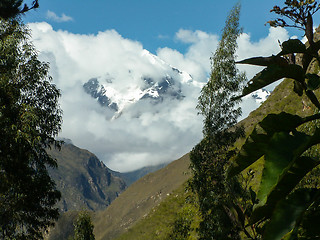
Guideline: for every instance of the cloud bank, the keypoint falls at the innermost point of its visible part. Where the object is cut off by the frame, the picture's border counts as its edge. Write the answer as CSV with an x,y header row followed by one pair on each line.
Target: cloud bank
x,y
130,142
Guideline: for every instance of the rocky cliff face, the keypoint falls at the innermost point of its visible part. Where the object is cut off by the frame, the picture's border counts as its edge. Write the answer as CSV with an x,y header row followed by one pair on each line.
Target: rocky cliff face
x,y
84,181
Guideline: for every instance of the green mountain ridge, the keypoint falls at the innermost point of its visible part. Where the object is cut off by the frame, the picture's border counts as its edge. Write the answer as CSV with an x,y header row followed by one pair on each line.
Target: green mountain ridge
x,y
133,176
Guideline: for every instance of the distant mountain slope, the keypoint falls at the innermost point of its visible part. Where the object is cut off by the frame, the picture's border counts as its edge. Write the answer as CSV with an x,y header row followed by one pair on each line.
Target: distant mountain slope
x,y
84,181
131,177
138,199
63,228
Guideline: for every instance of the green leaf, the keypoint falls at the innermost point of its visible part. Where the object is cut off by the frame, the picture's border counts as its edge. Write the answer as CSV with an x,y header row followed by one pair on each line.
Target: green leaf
x,y
313,81
250,152
281,151
298,88
292,46
287,236
313,98
281,122
285,185
288,212
264,61
279,180
271,74
257,143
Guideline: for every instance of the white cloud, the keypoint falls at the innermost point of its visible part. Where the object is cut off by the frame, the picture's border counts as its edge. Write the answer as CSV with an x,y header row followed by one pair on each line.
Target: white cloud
x,y
196,60
63,18
162,132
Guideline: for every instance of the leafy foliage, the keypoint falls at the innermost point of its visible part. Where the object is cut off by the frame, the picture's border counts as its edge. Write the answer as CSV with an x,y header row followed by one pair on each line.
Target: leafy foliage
x,y
282,204
298,11
13,8
182,225
30,118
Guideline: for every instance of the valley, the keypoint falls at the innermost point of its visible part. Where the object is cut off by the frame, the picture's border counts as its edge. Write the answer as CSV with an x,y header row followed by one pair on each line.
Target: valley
x,y
135,202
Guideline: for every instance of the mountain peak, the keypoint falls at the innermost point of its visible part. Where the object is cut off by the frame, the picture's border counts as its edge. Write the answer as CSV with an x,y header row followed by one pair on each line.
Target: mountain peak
x,y
261,95
163,82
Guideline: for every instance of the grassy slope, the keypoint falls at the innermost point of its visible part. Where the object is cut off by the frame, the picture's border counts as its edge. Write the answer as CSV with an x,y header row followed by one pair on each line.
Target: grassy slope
x,y
158,224
137,201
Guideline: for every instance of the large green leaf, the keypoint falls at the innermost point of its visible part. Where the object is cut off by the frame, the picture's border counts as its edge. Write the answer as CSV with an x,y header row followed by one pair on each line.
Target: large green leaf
x,y
281,122
288,212
282,150
283,170
313,81
257,143
292,46
285,185
250,152
271,74
264,61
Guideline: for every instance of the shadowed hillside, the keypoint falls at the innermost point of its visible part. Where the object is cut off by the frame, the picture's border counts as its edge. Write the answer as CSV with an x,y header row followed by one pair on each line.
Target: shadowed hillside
x,y
84,181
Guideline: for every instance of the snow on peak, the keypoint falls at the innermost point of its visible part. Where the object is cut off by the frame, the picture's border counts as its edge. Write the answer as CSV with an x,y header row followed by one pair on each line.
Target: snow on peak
x,y
261,95
154,82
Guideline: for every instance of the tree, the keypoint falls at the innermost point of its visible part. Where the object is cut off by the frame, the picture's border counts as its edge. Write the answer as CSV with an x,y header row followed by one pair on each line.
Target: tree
x,y
218,198
30,118
83,227
284,208
214,102
13,8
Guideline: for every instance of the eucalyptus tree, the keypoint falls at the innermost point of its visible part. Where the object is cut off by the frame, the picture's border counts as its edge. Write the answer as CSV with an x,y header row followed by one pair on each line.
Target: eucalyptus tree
x,y
209,159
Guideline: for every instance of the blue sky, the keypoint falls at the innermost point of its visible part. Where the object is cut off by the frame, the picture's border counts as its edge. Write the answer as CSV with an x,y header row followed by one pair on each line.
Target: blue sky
x,y
152,22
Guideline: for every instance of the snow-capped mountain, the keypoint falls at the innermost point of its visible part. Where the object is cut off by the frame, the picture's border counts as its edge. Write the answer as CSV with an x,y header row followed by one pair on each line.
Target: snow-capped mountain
x,y
261,95
164,83
152,88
